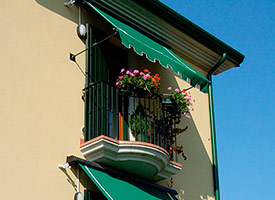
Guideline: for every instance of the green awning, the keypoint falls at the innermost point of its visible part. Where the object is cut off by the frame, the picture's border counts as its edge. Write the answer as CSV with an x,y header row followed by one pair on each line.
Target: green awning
x,y
143,45
115,188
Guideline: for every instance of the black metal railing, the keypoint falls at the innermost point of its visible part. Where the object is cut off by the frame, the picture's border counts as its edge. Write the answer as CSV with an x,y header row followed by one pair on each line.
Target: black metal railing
x,y
145,118
102,111
142,115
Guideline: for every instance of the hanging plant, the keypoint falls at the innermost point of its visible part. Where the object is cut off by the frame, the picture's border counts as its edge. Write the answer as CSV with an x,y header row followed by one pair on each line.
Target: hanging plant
x,y
172,131
176,104
179,102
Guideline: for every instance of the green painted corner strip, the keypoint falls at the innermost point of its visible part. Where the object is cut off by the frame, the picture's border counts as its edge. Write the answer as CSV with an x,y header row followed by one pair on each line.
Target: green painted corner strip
x,y
213,140
212,124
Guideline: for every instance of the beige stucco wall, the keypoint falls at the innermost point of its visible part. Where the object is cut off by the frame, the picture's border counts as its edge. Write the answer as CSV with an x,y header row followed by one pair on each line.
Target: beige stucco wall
x,y
41,111
195,181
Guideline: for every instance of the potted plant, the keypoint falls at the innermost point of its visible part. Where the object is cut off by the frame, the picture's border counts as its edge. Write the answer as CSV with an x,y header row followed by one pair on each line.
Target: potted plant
x,y
139,123
138,81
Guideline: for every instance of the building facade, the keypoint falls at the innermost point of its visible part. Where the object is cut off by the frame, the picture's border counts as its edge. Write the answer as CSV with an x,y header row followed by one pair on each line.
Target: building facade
x,y
55,104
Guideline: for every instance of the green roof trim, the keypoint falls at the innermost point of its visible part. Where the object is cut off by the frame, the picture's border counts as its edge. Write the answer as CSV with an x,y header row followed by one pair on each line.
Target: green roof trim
x,y
191,29
154,51
115,188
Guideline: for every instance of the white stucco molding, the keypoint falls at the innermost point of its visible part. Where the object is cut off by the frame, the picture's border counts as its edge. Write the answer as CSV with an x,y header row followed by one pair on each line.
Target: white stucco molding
x,y
141,159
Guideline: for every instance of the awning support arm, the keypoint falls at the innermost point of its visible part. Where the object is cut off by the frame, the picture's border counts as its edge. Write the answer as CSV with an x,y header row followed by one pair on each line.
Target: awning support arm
x,y
73,56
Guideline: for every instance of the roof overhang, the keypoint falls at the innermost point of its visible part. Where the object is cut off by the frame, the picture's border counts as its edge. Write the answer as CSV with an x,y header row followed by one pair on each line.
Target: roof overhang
x,y
191,29
167,27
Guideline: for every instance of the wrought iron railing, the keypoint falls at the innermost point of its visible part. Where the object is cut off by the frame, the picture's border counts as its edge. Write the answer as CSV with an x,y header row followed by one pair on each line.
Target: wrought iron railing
x,y
128,115
102,112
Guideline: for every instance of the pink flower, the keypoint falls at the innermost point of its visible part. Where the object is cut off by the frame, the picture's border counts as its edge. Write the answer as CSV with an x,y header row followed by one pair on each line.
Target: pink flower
x,y
177,90
194,100
132,74
122,70
169,88
141,73
120,77
136,71
187,115
117,83
146,76
128,72
188,98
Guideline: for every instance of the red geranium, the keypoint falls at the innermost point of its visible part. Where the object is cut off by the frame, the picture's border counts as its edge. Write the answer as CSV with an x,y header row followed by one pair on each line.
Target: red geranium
x,y
139,80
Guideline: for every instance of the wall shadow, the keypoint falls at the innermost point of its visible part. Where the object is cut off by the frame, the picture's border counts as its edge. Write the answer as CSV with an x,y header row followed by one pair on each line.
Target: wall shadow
x,y
69,179
71,13
195,180
68,12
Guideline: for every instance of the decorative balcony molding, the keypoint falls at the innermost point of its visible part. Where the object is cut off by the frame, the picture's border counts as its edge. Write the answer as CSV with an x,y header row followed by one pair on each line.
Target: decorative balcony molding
x,y
140,159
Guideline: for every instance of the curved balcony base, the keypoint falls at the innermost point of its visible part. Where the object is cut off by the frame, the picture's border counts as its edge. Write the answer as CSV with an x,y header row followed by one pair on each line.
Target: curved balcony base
x,y
141,159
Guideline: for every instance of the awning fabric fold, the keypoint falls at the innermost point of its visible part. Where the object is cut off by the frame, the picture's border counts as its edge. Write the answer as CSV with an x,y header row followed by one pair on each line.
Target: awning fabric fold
x,y
114,188
143,45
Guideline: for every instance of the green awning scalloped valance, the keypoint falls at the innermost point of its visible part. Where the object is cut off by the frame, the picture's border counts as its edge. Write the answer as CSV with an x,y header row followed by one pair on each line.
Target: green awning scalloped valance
x,y
154,51
116,188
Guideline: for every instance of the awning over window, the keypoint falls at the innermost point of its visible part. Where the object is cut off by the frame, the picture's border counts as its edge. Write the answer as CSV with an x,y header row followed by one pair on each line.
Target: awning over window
x,y
115,188
143,45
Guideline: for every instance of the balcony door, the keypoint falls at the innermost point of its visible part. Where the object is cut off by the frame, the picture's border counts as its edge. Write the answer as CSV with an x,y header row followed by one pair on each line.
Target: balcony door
x,y
103,64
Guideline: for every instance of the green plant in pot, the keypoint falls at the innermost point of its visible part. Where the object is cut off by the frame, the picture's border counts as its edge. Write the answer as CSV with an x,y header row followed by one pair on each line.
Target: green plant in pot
x,y
140,123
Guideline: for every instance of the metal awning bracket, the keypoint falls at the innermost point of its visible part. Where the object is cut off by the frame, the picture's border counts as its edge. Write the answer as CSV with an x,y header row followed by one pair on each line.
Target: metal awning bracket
x,y
73,56
69,3
64,166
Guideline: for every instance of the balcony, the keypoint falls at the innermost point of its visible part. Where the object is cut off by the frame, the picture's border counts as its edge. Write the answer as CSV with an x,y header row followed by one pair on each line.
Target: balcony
x,y
129,131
